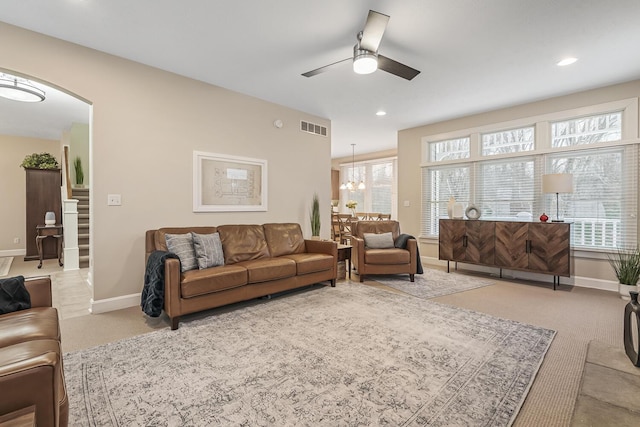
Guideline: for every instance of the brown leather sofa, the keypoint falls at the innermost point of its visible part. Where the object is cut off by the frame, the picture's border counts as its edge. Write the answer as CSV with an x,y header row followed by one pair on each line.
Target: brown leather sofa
x,y
391,260
259,260
31,372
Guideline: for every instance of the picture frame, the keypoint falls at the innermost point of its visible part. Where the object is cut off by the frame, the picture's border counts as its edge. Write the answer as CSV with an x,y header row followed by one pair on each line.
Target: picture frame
x,y
225,183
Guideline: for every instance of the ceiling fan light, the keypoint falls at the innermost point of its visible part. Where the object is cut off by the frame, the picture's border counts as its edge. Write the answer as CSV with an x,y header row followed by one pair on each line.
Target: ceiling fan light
x,y
365,62
19,89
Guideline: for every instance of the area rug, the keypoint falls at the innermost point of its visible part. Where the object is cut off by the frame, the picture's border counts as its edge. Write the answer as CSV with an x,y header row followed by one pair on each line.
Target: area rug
x,y
353,355
433,283
5,265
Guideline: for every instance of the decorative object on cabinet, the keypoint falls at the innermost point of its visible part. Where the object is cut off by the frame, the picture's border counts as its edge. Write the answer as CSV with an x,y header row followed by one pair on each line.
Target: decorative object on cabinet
x,y
544,218
39,161
557,183
626,266
472,212
632,328
513,245
450,204
458,211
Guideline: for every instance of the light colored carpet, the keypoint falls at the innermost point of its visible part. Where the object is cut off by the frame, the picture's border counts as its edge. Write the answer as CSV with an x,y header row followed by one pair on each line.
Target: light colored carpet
x,y
433,283
350,355
5,265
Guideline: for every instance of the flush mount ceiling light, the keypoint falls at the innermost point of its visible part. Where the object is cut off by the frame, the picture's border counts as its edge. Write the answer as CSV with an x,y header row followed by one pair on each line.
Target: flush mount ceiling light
x,y
19,89
381,113
566,61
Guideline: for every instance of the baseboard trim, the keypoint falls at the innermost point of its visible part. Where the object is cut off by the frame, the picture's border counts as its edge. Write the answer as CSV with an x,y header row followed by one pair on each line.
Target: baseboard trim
x,y
583,282
113,304
13,252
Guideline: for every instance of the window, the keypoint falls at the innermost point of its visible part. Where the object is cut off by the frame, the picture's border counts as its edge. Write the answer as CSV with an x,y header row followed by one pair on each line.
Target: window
x,y
602,208
380,179
442,183
452,149
604,196
506,189
508,141
587,130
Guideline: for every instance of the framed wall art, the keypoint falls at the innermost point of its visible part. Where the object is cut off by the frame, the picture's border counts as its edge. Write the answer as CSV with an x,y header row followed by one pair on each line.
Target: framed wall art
x,y
223,183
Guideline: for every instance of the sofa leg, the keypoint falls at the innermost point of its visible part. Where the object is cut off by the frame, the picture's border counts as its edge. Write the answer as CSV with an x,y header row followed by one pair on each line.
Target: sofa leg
x,y
333,283
361,277
411,277
174,323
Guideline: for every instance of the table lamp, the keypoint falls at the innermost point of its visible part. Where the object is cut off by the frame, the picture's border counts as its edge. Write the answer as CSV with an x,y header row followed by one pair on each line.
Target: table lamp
x,y
557,183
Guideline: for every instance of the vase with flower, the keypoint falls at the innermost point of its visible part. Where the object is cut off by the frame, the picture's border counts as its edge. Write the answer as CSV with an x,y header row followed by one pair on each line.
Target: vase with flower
x,y
352,204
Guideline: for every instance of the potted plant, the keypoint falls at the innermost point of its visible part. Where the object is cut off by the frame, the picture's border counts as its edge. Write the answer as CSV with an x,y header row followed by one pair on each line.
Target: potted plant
x,y
40,161
314,217
626,265
77,165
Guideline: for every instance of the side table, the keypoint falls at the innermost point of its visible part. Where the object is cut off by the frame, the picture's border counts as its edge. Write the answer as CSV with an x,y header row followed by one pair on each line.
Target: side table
x,y
44,231
344,254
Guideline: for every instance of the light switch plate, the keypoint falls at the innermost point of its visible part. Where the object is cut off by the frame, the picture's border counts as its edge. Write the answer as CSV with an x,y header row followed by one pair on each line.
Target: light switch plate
x,y
406,204
114,200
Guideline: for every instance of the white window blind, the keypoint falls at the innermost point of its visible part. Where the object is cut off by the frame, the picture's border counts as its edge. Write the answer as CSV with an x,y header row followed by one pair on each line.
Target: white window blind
x,y
439,183
603,206
379,195
507,189
382,178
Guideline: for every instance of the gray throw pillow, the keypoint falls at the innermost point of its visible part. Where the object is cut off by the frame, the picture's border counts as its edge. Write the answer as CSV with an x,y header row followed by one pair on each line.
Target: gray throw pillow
x,y
208,249
378,241
182,245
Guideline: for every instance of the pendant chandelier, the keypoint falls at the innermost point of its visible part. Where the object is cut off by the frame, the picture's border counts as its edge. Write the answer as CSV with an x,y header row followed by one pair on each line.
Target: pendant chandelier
x,y
351,185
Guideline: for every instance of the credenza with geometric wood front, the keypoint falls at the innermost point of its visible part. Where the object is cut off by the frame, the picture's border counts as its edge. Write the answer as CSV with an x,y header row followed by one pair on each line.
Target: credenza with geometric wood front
x,y
537,247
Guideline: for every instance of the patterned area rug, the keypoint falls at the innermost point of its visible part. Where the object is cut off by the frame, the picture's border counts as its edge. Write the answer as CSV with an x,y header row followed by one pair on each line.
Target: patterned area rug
x,y
433,283
5,265
345,356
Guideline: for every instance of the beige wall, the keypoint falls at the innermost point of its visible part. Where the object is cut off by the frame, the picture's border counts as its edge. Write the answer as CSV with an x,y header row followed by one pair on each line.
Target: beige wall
x,y
146,125
409,157
13,188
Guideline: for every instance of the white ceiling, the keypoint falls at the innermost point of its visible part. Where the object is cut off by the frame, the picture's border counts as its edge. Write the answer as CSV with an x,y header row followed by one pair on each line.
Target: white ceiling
x,y
473,55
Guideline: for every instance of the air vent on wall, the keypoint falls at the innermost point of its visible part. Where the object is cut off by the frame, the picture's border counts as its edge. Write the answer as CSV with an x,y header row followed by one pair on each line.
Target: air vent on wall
x,y
313,128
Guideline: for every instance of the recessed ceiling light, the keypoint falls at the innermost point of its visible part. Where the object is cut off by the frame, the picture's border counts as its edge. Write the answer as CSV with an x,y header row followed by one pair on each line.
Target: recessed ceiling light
x,y
381,113
567,61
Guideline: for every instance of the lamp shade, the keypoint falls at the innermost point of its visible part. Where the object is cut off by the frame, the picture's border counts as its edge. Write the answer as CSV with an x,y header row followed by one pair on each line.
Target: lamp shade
x,y
557,183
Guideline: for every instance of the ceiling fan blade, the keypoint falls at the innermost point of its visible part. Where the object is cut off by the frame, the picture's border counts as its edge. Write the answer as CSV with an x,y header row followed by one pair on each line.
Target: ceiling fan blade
x,y
325,68
373,31
394,67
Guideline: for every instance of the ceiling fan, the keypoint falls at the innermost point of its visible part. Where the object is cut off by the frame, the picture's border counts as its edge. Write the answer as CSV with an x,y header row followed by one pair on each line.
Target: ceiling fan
x,y
366,59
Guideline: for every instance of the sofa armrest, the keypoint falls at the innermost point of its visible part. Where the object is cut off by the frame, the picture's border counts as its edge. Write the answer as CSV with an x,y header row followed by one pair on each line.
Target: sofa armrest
x,y
412,247
328,247
39,289
357,256
172,278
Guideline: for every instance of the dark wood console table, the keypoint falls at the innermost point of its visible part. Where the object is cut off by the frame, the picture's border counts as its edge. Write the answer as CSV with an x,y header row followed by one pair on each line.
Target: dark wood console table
x,y
44,231
536,247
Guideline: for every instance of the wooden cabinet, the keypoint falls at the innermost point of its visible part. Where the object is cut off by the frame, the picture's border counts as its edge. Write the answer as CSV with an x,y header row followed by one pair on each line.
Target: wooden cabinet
x,y
526,246
43,195
467,241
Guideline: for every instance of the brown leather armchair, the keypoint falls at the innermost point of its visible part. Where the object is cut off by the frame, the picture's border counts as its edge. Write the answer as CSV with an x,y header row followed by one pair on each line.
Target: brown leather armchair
x,y
389,260
31,372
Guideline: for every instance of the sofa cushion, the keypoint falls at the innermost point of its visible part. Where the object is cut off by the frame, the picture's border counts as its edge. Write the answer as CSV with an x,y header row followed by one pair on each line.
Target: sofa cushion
x,y
378,240
201,282
26,325
161,241
311,263
387,256
263,270
13,295
208,249
284,239
182,245
243,242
